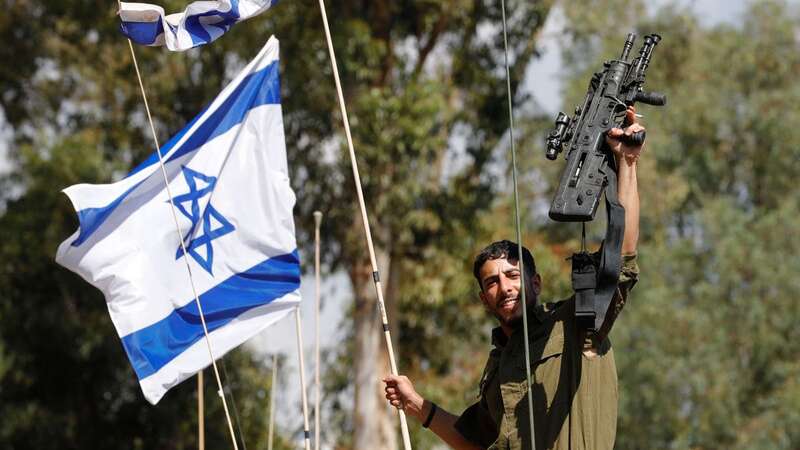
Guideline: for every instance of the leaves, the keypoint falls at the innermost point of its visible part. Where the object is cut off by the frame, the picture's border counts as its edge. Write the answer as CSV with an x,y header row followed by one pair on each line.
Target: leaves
x,y
704,346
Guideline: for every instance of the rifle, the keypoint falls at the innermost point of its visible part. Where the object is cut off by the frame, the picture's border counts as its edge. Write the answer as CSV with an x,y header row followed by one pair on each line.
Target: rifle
x,y
611,91
591,169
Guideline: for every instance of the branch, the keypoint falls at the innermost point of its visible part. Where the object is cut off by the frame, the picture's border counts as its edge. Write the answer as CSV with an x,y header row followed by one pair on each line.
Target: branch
x,y
384,21
433,38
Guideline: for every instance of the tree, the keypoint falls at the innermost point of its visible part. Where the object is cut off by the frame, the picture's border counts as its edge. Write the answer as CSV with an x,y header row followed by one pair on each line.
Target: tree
x,y
76,115
420,76
703,345
407,104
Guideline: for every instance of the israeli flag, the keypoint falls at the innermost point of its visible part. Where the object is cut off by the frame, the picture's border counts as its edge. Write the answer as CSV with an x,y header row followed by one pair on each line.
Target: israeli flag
x,y
200,23
228,174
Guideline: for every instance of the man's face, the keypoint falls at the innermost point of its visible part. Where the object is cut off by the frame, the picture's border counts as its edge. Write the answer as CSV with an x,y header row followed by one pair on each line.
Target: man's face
x,y
500,282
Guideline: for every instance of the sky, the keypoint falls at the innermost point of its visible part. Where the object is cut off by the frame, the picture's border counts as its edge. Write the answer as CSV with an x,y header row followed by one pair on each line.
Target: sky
x,y
542,76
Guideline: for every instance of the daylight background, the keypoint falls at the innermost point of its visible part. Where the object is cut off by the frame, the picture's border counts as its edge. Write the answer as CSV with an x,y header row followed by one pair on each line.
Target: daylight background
x,y
704,348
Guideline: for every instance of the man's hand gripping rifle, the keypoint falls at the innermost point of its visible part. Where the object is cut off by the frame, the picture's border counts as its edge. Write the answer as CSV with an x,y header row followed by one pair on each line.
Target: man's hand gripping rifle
x,y
591,170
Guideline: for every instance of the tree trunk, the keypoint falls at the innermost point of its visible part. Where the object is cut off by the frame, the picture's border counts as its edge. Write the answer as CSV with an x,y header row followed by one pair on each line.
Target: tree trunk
x,y
374,421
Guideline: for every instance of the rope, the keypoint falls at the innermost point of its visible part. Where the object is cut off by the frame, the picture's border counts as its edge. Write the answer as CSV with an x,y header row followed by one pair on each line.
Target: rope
x,y
317,222
360,194
229,390
183,245
519,230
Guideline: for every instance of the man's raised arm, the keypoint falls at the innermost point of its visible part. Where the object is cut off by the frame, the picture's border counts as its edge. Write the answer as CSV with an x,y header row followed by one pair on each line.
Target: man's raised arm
x,y
627,157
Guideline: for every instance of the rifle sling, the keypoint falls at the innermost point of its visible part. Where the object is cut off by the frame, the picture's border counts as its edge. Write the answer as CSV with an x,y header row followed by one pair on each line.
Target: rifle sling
x,y
596,282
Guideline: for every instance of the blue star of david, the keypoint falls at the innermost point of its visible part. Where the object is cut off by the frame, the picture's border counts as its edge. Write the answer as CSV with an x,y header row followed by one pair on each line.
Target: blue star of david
x,y
203,240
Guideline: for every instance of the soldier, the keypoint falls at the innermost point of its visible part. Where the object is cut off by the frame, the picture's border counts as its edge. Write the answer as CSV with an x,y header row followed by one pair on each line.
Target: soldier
x,y
574,378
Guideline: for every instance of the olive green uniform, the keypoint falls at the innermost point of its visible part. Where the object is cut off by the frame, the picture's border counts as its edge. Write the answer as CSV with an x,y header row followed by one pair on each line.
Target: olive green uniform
x,y
574,395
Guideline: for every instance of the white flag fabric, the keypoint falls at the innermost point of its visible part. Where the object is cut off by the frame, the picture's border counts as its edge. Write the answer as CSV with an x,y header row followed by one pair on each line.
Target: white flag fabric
x,y
200,23
228,173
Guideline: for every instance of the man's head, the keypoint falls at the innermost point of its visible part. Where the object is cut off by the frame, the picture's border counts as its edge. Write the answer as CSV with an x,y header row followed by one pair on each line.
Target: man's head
x,y
497,270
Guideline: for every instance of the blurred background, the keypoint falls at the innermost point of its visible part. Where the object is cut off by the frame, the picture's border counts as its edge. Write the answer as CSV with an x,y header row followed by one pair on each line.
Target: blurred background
x,y
705,347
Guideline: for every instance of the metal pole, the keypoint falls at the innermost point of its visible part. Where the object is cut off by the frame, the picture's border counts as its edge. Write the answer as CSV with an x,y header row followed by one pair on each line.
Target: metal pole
x,y
272,401
201,426
306,433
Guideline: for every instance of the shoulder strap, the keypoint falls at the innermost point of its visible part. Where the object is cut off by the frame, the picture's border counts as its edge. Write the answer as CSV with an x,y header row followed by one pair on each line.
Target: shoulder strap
x,y
595,281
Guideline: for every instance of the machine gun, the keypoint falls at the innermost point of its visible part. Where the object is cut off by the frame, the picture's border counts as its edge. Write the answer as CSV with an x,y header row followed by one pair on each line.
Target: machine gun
x,y
591,171
611,91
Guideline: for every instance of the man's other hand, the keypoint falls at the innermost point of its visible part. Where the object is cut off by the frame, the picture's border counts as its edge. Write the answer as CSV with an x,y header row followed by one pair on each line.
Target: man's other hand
x,y
401,394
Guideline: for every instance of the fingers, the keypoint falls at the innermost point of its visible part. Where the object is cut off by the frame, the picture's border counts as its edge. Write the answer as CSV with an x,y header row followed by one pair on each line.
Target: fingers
x,y
615,132
630,116
395,398
396,379
397,390
631,123
392,390
625,137
618,139
639,142
633,129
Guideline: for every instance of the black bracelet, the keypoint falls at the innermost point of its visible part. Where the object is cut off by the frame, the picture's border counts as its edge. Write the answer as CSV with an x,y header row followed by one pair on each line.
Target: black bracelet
x,y
430,416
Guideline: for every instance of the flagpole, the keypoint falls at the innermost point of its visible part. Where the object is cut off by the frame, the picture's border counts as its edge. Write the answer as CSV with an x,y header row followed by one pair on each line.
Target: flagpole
x,y
201,426
306,432
375,273
183,244
272,401
317,222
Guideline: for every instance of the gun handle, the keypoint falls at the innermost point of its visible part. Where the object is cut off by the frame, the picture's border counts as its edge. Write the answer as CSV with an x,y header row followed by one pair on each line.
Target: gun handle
x,y
651,98
634,139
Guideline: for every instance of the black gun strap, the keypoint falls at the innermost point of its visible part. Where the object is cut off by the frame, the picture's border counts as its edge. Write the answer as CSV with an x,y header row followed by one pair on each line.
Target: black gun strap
x,y
584,282
595,282
611,252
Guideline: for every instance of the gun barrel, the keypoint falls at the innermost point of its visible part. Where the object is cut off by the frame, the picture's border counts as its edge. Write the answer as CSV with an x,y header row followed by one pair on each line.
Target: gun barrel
x,y
626,50
646,52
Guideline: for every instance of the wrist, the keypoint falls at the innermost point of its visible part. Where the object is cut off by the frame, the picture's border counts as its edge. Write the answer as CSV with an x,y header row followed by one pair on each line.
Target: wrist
x,y
417,407
432,408
627,161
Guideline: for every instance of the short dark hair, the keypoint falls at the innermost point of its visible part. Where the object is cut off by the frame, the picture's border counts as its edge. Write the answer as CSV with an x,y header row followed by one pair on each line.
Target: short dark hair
x,y
503,249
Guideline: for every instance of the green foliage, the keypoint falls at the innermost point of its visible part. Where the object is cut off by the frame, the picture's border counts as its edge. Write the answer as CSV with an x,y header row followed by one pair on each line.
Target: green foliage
x,y
77,116
704,346
415,73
